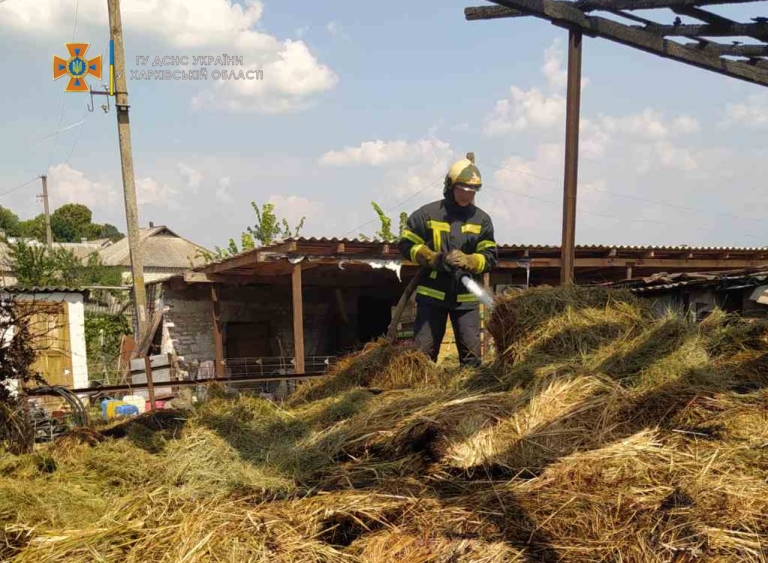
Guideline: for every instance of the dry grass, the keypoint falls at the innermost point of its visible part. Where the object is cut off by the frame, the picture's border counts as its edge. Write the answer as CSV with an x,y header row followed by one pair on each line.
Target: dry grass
x,y
602,434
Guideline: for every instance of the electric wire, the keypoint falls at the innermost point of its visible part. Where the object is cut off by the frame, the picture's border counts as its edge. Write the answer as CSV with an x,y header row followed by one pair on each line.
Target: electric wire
x,y
19,186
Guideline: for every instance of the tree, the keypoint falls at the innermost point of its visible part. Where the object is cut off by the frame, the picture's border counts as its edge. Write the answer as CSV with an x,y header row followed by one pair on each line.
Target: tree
x,y
9,222
269,229
35,265
71,222
16,358
33,228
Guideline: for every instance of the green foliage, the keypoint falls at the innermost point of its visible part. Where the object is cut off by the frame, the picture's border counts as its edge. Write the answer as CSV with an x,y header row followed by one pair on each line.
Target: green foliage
x,y
268,229
71,222
9,222
33,228
103,333
385,232
36,266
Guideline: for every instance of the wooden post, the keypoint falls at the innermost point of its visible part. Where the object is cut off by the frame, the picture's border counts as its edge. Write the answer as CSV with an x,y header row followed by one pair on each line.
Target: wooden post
x,y
46,207
298,319
629,271
218,341
150,383
573,108
126,161
484,319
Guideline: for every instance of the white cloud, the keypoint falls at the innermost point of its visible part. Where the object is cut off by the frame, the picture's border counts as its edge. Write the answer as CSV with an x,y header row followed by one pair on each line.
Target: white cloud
x,y
291,77
152,192
524,110
385,153
333,28
752,114
302,31
554,66
222,192
67,185
292,74
192,177
292,208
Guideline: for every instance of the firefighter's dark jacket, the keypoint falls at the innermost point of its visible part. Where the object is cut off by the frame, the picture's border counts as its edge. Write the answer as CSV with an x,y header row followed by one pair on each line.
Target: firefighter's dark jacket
x,y
444,226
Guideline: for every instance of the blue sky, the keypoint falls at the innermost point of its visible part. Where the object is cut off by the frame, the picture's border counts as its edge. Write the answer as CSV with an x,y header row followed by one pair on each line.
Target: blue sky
x,y
373,101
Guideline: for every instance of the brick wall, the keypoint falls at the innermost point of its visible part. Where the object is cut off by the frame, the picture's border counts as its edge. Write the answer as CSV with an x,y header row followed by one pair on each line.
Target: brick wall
x,y
188,324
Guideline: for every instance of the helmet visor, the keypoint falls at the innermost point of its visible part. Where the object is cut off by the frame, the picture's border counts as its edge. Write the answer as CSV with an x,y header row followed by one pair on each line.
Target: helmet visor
x,y
467,188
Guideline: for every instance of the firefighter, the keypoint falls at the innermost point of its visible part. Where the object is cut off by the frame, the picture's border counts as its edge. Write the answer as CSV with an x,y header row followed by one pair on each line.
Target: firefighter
x,y
451,238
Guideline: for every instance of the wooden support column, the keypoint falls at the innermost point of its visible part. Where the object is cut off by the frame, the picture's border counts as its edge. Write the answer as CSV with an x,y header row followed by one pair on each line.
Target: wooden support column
x,y
218,341
298,319
150,382
573,108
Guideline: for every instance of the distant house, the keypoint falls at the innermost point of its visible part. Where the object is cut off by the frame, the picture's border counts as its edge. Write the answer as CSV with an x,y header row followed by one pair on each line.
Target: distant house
x,y
56,321
164,252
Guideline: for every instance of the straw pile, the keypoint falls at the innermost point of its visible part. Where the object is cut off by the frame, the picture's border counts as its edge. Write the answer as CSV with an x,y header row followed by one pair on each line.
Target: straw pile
x,y
601,434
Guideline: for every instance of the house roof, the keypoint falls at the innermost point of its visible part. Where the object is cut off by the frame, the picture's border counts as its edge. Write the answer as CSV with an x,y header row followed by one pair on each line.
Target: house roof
x,y
161,248
19,289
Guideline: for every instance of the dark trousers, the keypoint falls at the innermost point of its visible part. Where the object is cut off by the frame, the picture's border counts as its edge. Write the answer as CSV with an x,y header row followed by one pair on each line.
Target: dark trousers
x,y
429,330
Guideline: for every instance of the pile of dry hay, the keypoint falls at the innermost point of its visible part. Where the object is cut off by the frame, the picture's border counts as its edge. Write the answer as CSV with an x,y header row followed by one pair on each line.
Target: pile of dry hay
x,y
604,435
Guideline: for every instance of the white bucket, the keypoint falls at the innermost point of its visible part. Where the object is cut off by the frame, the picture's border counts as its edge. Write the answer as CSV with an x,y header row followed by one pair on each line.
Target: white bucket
x,y
137,400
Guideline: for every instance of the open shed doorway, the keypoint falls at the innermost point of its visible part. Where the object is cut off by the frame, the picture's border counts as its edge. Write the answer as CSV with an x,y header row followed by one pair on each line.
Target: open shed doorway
x,y
248,340
374,314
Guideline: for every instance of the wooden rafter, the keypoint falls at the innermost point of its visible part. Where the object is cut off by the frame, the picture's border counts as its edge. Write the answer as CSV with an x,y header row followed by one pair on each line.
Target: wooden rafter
x,y
590,5
649,37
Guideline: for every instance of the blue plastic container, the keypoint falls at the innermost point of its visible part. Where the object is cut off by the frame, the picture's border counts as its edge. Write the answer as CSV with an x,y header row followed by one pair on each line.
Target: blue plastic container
x,y
126,410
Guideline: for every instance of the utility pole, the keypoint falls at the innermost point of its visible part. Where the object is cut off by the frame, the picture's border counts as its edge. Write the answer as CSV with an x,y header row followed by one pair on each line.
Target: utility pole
x,y
48,234
126,158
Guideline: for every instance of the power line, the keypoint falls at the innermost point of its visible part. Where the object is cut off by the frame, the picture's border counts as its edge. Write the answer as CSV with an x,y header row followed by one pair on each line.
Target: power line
x,y
20,186
639,198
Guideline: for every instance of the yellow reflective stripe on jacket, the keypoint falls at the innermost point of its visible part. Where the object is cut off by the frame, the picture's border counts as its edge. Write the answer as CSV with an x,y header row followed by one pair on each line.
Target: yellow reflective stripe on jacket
x,y
466,298
485,245
481,266
415,250
471,228
437,228
433,275
413,237
429,292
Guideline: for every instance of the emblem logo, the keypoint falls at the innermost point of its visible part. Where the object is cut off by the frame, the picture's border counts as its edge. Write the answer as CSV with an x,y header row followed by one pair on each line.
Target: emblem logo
x,y
77,67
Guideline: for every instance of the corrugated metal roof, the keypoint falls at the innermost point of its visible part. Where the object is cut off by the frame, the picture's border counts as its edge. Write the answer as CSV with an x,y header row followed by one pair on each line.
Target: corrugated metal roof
x,y
41,289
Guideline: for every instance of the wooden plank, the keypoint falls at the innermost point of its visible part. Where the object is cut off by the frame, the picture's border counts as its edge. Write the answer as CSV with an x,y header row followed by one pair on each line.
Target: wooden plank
x,y
218,340
298,318
150,383
146,339
491,13
757,30
670,263
571,176
588,5
647,39
719,49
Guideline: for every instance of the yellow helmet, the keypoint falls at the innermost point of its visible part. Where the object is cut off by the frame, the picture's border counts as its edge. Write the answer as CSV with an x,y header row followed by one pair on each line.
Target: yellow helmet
x,y
464,173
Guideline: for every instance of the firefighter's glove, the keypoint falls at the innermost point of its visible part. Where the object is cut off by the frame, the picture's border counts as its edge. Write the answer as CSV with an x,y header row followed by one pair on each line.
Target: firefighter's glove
x,y
472,263
429,258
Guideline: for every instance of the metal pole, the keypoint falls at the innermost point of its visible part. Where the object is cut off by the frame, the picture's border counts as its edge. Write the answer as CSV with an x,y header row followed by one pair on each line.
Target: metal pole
x,y
48,233
573,108
126,158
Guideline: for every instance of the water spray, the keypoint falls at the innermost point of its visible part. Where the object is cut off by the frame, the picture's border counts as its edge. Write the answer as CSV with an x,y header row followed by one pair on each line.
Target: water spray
x,y
477,291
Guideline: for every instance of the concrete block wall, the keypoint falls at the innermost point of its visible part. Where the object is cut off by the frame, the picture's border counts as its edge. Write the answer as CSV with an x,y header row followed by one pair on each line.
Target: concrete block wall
x,y
188,326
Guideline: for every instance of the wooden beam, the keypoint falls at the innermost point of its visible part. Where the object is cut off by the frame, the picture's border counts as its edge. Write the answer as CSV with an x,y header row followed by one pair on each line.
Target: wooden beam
x,y
245,260
298,319
491,13
570,185
757,30
648,39
735,50
671,263
589,5
150,382
218,340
